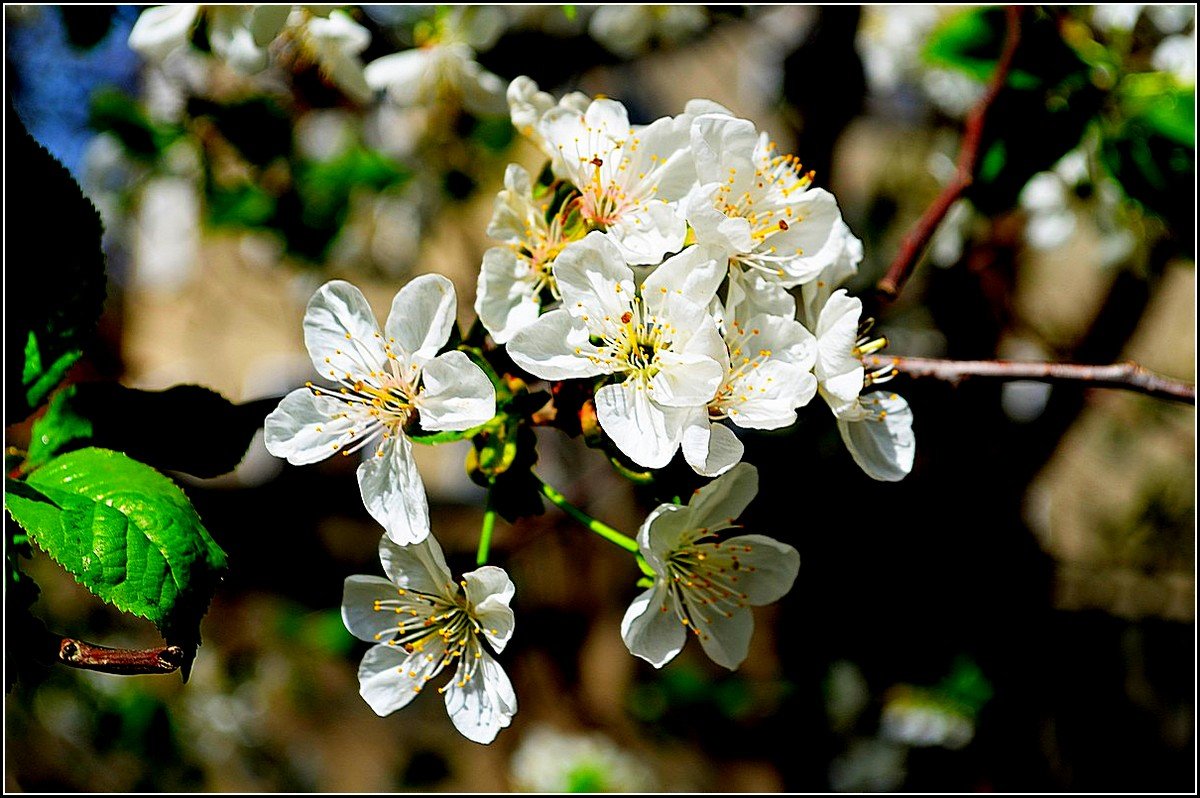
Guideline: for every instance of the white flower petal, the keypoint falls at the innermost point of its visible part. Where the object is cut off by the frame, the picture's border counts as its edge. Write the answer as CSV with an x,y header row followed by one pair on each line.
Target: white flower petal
x,y
647,233
726,641
685,379
489,591
725,498
883,448
422,315
161,29
710,449
721,143
775,567
510,213
359,595
230,38
767,397
694,274
455,394
402,74
593,278
647,433
484,704
750,294
730,234
812,235
386,679
303,428
840,372
651,629
504,298
341,334
419,566
393,492
555,347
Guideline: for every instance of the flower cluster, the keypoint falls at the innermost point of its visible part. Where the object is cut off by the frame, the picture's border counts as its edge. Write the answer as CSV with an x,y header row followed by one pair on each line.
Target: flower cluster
x,y
664,259
693,276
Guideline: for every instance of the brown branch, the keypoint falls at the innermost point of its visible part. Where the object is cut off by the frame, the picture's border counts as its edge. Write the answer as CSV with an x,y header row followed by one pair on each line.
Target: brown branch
x,y
120,661
1127,376
914,243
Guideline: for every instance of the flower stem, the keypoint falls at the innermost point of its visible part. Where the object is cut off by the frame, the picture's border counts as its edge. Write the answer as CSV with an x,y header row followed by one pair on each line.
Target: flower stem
x,y
600,528
485,531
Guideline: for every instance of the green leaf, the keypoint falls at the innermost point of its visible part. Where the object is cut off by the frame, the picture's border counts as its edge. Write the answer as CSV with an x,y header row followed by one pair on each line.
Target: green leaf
x,y
60,426
42,378
56,269
126,533
1149,147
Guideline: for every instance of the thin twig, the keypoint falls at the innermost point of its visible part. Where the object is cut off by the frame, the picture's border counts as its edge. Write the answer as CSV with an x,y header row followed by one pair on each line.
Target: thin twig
x,y
1128,376
913,245
120,661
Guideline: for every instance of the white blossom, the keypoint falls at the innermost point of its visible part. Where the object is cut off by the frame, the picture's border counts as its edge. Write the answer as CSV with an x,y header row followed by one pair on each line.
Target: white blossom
x,y
768,375
442,67
658,338
877,427
759,209
423,622
703,582
515,276
384,379
627,177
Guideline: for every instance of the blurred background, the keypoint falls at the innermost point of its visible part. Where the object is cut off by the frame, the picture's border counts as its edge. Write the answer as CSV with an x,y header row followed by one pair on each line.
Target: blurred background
x,y
1016,615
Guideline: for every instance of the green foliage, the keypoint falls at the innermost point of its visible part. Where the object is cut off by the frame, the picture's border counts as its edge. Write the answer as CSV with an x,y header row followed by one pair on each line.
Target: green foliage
x,y
970,42
1150,147
57,429
1049,99
325,186
208,433
54,266
126,533
240,206
113,111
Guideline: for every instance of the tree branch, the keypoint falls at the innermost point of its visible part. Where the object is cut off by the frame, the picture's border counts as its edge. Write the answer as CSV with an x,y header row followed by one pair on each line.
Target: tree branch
x,y
1127,376
913,245
120,661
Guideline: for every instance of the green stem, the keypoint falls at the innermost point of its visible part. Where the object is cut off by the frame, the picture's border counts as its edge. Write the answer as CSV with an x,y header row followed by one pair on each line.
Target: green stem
x,y
600,528
485,531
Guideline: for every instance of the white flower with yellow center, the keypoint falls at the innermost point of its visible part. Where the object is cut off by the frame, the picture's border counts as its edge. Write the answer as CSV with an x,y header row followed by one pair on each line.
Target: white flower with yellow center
x,y
703,582
758,208
657,338
627,178
877,427
768,375
517,277
382,380
423,623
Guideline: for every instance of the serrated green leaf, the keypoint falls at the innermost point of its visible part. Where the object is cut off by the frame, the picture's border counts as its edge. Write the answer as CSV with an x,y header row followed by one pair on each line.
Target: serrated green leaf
x,y
126,533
